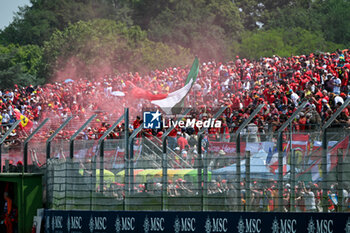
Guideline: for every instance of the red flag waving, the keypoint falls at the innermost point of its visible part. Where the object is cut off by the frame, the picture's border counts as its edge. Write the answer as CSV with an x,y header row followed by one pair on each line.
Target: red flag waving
x,y
139,93
25,124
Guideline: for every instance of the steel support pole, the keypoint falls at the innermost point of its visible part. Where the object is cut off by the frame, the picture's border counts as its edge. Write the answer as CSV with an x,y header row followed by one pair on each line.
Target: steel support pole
x,y
71,145
292,181
164,196
102,168
201,178
238,170
126,158
205,182
48,150
238,149
324,171
280,170
101,151
131,151
25,149
339,175
131,166
247,177
48,142
202,170
280,153
71,140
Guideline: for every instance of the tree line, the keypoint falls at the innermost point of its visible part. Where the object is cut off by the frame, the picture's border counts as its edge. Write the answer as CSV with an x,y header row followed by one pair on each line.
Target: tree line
x,y
139,35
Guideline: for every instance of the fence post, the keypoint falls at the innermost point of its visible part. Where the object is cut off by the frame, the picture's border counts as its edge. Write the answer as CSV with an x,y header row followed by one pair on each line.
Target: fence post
x,y
131,142
325,152
202,171
280,153
2,140
247,182
102,165
71,140
199,164
238,170
292,181
164,199
48,153
101,151
164,174
49,140
202,175
238,149
324,171
69,160
25,149
339,175
126,159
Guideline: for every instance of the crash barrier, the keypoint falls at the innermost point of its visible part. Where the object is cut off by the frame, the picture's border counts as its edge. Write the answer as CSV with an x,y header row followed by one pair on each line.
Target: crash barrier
x,y
209,185
147,222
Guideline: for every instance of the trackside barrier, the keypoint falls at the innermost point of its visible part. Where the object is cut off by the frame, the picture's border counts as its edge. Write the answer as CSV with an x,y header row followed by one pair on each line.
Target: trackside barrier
x,y
208,184
147,222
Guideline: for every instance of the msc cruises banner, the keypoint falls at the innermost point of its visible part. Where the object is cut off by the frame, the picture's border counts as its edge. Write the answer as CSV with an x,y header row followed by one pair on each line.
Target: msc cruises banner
x,y
204,222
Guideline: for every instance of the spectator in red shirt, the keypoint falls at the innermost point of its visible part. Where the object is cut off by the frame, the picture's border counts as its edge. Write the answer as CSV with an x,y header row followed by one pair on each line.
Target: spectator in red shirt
x,y
181,141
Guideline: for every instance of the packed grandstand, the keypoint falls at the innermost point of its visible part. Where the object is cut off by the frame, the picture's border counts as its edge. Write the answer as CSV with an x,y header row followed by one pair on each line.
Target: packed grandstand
x,y
242,84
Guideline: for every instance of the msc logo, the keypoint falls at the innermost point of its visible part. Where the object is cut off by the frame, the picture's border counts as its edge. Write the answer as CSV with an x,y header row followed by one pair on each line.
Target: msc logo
x,y
152,120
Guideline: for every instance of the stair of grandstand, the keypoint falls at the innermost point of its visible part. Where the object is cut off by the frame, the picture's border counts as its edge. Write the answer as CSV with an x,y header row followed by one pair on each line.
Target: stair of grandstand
x,y
153,148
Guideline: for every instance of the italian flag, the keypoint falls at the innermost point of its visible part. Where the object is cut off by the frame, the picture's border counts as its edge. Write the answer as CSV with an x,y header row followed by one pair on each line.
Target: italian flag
x,y
174,101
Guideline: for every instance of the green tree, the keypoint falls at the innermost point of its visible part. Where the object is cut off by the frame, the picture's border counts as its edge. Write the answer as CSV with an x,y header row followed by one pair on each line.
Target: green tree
x,y
20,65
336,21
34,24
250,13
329,17
258,12
291,17
284,43
205,27
100,46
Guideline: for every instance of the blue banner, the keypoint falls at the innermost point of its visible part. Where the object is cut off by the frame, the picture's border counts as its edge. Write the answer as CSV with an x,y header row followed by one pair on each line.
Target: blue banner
x,y
203,222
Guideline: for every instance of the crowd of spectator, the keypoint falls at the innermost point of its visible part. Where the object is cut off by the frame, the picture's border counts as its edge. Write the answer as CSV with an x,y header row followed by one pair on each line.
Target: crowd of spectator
x,y
242,84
